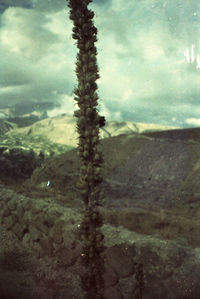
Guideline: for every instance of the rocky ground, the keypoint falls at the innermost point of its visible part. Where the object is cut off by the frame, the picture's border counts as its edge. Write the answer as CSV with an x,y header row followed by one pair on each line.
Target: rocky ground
x,y
151,190
165,241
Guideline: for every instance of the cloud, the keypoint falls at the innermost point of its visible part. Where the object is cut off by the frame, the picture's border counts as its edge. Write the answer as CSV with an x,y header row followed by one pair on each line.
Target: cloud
x,y
23,33
144,75
15,2
29,63
52,6
193,121
6,3
49,5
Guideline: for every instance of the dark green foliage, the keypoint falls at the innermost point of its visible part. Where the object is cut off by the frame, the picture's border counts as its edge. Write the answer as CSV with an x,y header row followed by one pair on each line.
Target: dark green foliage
x,y
17,163
24,121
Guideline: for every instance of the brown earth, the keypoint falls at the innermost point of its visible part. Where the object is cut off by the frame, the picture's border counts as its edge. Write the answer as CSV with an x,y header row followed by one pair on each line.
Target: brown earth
x,y
144,188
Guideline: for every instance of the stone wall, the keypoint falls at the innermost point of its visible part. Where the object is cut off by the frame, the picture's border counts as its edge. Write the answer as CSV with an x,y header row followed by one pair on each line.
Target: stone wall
x,y
37,223
51,230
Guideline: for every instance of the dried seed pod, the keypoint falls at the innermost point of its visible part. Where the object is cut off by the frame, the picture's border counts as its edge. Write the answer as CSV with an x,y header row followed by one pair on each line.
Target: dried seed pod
x,y
93,50
83,168
90,14
89,112
86,98
84,69
86,147
94,77
87,134
91,65
95,131
77,92
83,191
80,22
82,119
72,17
78,13
99,237
95,139
97,171
89,169
84,58
92,57
95,96
75,36
75,30
79,63
87,86
77,113
86,27
94,86
94,30
88,45
81,185
85,154
93,39
97,157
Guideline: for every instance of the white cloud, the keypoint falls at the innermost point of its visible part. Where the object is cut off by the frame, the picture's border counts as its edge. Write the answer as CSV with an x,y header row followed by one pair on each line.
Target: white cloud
x,y
23,33
118,5
66,106
143,71
49,5
108,114
33,57
193,121
11,89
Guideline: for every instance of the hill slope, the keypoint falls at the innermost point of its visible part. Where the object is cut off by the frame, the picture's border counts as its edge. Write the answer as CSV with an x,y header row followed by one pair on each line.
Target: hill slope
x,y
62,129
152,167
177,134
141,169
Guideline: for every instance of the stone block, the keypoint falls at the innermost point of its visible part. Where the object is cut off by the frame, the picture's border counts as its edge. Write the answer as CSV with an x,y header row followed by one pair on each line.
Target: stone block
x,y
18,229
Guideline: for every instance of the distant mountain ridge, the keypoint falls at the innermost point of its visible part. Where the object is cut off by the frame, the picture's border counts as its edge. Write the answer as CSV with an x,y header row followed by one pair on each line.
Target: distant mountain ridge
x,y
62,129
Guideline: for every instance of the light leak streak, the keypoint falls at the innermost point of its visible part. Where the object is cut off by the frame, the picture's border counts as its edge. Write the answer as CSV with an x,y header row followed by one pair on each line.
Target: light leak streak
x,y
187,55
190,57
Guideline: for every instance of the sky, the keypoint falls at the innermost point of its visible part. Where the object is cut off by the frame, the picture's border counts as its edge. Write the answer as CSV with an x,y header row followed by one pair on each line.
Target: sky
x,y
148,58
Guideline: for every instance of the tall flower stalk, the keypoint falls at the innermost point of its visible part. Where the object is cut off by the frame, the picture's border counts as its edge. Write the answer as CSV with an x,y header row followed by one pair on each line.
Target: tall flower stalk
x,y
91,158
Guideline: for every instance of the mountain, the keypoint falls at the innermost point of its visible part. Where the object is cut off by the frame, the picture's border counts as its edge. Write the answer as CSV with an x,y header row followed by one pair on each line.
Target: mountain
x,y
24,148
158,164
62,129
